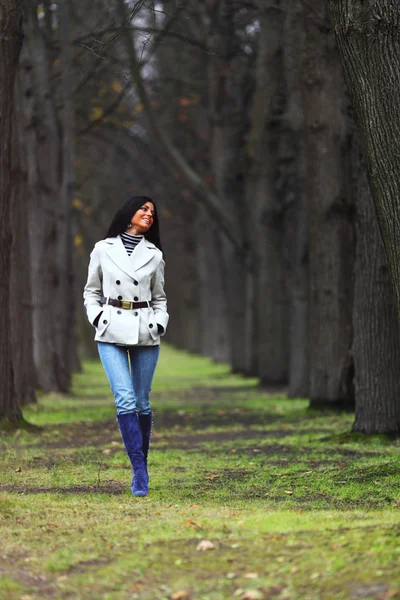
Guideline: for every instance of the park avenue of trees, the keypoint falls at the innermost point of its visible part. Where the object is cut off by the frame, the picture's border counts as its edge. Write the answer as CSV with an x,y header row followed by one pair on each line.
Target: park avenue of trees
x,y
267,133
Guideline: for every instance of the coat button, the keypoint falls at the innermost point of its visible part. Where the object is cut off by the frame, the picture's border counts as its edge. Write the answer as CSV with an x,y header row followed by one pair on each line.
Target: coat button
x,y
119,297
136,298
135,314
151,325
118,282
118,312
136,283
105,322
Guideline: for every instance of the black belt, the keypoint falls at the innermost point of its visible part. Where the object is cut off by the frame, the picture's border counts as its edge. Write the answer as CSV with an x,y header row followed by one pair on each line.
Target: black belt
x,y
127,304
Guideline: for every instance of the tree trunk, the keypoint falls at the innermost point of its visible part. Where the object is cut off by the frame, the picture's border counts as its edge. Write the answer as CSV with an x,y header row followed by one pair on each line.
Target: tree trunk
x,y
182,277
376,345
367,33
265,218
10,46
64,299
21,304
292,167
226,111
50,177
329,211
213,309
42,152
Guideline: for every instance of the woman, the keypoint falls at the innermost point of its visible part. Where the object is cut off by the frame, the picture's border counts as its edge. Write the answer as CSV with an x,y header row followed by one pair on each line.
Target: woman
x,y
126,303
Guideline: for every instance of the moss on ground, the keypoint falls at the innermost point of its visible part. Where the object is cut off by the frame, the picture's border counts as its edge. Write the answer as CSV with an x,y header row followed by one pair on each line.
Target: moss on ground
x,y
294,506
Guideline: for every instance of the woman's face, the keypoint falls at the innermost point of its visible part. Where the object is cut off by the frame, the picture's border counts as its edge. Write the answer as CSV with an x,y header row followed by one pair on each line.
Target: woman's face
x,y
143,218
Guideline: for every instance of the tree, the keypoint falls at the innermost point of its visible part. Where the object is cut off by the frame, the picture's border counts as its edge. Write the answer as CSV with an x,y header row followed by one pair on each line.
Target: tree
x,y
10,46
48,139
367,34
376,344
329,214
293,175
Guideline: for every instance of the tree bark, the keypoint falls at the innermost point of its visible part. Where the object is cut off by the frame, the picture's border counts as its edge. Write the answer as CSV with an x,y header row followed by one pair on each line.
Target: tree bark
x,y
64,299
376,345
367,33
21,303
265,220
42,152
292,161
226,73
329,212
213,309
10,46
50,177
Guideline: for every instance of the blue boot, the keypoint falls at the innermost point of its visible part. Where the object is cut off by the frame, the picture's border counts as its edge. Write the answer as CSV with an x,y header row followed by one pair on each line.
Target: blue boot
x,y
132,437
145,425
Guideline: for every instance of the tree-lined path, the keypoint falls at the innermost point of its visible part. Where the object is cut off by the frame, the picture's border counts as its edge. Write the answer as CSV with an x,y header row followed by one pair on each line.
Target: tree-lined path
x,y
290,505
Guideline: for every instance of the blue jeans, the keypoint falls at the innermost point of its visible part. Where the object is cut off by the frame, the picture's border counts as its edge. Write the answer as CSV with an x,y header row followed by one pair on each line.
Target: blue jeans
x,y
130,372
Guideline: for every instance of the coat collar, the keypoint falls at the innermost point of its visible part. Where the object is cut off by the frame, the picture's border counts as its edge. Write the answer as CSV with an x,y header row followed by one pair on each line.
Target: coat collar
x,y
141,255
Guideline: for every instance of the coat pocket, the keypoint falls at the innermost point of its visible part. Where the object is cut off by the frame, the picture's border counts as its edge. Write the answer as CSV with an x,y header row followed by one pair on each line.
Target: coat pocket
x,y
104,321
152,325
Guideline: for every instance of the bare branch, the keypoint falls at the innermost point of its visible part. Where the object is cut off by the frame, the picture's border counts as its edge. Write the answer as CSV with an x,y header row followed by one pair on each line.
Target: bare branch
x,y
209,199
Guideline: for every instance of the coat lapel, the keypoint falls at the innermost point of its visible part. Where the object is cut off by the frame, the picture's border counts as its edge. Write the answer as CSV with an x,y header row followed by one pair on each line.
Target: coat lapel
x,y
141,255
116,251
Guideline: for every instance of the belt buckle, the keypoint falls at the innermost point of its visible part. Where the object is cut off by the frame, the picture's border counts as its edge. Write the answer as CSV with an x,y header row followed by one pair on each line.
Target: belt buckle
x,y
126,304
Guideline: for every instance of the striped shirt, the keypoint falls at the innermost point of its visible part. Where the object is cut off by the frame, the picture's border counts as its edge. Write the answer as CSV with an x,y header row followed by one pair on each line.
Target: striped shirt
x,y
130,241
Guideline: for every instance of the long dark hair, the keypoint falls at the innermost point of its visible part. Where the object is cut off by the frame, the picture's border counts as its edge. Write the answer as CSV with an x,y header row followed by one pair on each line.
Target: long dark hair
x,y
124,215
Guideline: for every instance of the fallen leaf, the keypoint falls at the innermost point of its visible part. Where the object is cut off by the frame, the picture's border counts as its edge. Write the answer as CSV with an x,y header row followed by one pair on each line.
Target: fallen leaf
x,y
252,595
251,575
107,451
193,524
205,545
256,450
288,492
194,506
18,470
180,595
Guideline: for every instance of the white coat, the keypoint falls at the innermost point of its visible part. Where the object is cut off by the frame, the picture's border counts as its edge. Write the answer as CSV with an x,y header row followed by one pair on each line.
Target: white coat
x,y
114,274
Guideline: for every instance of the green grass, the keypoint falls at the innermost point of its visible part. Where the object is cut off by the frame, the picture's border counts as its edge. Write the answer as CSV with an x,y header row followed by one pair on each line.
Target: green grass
x,y
295,506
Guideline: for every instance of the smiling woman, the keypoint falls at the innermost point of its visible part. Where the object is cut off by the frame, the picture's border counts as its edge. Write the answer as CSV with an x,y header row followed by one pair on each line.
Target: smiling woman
x,y
126,303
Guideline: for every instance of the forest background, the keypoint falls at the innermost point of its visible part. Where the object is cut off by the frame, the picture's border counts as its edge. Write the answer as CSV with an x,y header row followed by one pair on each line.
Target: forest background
x,y
266,132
